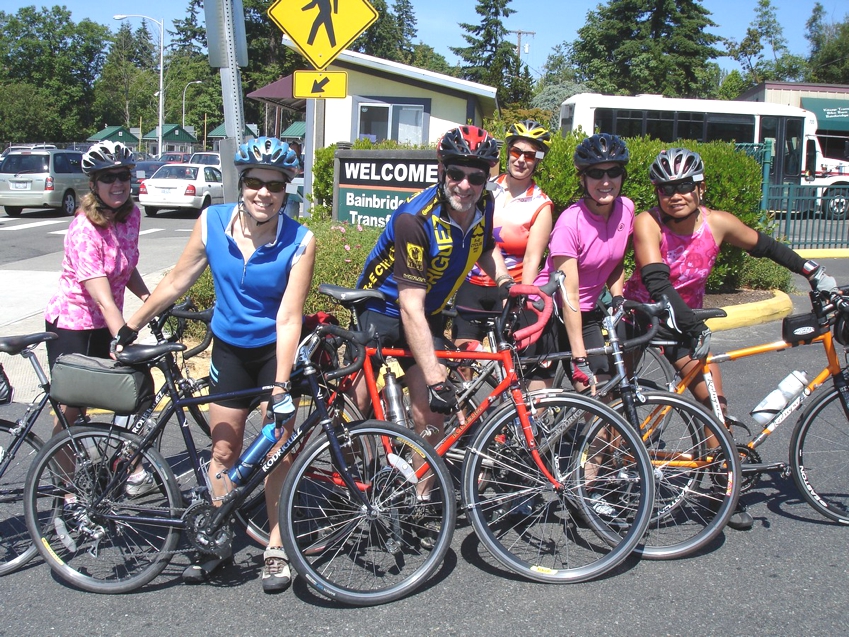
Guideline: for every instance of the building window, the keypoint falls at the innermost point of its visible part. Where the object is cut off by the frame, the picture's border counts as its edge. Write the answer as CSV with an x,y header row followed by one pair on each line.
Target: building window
x,y
402,120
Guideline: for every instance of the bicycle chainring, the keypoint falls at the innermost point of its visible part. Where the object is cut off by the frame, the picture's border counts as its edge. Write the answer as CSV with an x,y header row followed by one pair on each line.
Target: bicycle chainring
x,y
199,531
748,456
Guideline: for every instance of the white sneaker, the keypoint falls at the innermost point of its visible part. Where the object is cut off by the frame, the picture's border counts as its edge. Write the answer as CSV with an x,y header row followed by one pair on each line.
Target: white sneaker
x,y
602,507
139,484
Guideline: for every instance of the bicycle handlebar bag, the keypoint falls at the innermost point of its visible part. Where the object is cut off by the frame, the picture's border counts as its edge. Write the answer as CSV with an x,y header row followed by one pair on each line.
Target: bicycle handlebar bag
x,y
103,383
800,328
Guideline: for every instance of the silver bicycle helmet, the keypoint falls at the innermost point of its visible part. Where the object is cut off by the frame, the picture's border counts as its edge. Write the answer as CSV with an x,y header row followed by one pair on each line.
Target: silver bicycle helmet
x,y
267,152
601,148
676,164
107,154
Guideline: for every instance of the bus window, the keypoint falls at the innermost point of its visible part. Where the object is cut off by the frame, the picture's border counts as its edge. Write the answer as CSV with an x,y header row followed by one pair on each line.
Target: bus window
x,y
691,126
603,121
660,125
566,116
629,123
792,147
725,127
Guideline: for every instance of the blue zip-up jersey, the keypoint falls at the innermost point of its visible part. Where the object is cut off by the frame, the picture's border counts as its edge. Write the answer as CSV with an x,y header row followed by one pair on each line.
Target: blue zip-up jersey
x,y
248,294
423,248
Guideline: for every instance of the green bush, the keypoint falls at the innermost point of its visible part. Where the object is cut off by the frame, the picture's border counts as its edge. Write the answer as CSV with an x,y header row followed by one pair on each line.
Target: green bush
x,y
763,274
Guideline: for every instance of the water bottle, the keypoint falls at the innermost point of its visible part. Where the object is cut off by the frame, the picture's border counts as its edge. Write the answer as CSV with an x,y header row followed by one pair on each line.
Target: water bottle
x,y
255,453
777,399
393,396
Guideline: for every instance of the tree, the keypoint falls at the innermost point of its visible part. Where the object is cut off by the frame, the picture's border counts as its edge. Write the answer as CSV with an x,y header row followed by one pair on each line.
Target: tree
x,y
189,34
489,59
405,18
763,52
829,60
425,57
382,39
639,46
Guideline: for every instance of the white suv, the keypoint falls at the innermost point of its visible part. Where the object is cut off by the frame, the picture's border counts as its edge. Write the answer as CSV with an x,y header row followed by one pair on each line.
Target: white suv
x,y
42,178
209,159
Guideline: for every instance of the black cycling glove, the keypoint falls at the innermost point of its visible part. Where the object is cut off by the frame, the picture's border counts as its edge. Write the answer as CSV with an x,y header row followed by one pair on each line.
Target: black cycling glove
x,y
443,397
125,336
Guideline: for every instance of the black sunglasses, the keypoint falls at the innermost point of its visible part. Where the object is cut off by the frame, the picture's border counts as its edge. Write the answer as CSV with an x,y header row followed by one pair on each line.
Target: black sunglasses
x,y
111,178
475,178
683,188
272,186
599,173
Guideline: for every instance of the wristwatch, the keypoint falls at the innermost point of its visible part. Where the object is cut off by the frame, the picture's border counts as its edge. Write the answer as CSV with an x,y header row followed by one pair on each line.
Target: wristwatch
x,y
286,385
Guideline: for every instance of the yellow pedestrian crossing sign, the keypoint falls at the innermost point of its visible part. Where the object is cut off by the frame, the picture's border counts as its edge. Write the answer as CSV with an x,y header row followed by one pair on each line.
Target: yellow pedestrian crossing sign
x,y
312,84
322,29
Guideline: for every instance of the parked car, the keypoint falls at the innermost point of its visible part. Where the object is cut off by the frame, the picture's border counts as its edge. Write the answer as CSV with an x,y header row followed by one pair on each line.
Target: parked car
x,y
9,149
210,159
181,186
175,158
142,171
42,178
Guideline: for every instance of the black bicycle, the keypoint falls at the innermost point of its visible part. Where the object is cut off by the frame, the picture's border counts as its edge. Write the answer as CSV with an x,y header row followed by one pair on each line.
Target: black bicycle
x,y
353,511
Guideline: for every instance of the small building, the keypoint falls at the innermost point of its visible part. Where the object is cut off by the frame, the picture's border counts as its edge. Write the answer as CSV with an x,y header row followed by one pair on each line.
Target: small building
x,y
829,102
174,138
116,134
218,133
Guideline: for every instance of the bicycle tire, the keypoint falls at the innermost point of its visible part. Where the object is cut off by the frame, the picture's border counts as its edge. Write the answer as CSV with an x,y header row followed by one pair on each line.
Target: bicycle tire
x,y
342,551
87,546
693,498
16,546
252,514
549,535
654,367
818,448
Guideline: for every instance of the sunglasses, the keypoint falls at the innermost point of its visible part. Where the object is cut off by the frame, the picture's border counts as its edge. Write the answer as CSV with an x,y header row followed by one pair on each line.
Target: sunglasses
x,y
599,173
529,155
474,179
111,178
272,186
683,188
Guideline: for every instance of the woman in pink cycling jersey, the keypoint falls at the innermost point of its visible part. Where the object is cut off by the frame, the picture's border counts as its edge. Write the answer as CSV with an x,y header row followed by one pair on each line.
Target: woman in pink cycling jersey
x,y
588,244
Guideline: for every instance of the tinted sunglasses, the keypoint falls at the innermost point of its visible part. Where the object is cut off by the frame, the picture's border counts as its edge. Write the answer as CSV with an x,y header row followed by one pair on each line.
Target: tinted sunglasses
x,y
272,186
599,173
683,188
111,178
529,155
475,178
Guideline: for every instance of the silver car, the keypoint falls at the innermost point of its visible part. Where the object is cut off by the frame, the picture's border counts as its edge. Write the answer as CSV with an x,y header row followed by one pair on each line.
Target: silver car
x,y
42,178
181,186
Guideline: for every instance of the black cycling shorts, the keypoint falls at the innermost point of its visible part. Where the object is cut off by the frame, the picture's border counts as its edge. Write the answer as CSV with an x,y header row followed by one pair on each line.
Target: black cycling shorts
x,y
477,297
390,333
88,342
235,368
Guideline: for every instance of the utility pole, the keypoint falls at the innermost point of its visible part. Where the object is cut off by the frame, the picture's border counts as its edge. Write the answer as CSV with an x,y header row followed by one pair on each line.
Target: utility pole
x,y
519,33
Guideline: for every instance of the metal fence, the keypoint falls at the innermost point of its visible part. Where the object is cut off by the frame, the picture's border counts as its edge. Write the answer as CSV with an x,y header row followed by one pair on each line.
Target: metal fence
x,y
804,219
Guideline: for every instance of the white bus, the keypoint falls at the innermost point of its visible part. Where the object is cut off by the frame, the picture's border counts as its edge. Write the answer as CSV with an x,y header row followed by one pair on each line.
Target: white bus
x,y
798,156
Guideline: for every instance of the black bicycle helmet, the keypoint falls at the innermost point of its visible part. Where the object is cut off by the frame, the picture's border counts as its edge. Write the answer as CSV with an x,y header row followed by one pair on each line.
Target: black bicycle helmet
x,y
468,145
107,154
531,130
601,148
676,164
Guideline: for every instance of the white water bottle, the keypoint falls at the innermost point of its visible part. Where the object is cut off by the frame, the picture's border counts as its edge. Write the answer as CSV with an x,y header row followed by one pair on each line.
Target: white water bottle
x,y
777,399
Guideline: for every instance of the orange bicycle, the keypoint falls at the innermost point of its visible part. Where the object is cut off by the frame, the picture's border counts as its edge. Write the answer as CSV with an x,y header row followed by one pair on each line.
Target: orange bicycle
x,y
820,441
535,469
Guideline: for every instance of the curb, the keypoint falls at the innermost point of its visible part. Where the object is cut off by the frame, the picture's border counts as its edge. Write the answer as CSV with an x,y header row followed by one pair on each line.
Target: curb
x,y
747,314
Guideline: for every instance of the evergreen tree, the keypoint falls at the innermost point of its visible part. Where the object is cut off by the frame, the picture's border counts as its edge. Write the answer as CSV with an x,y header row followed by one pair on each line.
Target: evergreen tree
x,y
425,57
381,39
405,19
189,33
645,46
829,59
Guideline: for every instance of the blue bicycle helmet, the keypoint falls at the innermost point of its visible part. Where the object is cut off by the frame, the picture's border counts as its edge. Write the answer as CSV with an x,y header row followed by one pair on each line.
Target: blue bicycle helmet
x,y
601,148
267,152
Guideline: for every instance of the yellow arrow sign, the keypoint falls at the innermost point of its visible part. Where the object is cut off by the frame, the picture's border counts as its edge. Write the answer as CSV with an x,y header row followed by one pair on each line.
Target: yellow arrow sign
x,y
322,29
309,84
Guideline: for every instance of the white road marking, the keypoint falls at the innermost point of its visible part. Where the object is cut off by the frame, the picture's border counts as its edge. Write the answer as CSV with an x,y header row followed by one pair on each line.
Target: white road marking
x,y
36,224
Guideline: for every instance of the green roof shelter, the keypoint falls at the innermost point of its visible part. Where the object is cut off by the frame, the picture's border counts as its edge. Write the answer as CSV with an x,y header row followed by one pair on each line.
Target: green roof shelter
x,y
219,132
171,134
296,131
115,134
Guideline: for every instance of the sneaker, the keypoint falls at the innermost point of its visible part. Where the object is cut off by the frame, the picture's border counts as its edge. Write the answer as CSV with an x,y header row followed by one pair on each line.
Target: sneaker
x,y
199,571
741,519
602,508
428,524
139,484
276,576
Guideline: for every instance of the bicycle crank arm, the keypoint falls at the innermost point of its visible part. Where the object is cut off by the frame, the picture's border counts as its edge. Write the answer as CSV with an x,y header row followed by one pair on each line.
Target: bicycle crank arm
x,y
764,467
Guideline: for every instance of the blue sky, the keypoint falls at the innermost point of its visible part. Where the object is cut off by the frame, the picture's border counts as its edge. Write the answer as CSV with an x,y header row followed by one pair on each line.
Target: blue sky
x,y
553,21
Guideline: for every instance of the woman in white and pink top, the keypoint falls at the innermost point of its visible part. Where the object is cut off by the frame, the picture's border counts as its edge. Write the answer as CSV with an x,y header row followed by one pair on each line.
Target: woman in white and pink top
x,y
101,254
588,245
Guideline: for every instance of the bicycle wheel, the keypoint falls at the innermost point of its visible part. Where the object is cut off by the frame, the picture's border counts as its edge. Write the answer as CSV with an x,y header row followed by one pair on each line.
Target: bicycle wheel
x,y
97,540
696,470
366,555
252,514
551,533
16,547
654,367
819,448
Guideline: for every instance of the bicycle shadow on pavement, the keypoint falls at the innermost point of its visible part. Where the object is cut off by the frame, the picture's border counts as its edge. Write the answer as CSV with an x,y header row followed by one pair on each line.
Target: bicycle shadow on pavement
x,y
782,498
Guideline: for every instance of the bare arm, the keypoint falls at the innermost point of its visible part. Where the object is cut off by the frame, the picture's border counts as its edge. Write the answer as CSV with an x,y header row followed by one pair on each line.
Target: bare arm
x,y
189,267
728,228
647,240
417,332
137,286
99,290
537,244
492,263
291,313
572,305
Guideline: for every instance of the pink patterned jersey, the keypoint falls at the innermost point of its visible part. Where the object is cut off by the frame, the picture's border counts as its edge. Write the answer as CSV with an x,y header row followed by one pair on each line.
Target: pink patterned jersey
x,y
512,226
597,243
690,258
92,252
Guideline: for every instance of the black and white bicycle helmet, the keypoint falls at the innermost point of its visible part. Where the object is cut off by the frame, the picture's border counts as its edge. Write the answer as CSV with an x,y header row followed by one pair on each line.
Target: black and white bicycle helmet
x,y
107,154
601,148
676,164
268,152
